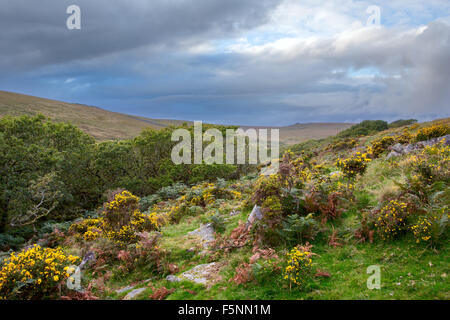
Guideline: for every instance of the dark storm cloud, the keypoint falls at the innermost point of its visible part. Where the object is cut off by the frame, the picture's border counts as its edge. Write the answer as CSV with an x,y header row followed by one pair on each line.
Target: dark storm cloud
x,y
184,60
34,33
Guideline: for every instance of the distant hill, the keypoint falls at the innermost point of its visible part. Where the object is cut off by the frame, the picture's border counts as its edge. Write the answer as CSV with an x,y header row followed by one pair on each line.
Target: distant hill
x,y
107,125
100,123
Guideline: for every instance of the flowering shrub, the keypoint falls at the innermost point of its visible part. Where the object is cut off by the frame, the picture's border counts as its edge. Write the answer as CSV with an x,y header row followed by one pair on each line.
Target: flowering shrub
x,y
380,145
342,145
83,225
425,169
265,187
205,194
92,234
391,219
436,159
429,228
299,265
119,211
271,206
120,222
354,165
434,131
89,229
34,272
404,138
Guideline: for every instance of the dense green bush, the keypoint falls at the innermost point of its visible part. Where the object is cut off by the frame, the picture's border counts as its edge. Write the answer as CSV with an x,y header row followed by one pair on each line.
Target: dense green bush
x,y
402,123
8,241
364,128
46,171
297,229
172,192
66,169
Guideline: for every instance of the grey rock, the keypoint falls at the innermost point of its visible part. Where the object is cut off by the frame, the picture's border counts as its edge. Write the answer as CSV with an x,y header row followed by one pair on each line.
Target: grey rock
x,y
206,234
234,213
393,154
270,167
133,294
336,173
172,278
88,257
255,215
201,274
399,149
204,274
125,289
203,253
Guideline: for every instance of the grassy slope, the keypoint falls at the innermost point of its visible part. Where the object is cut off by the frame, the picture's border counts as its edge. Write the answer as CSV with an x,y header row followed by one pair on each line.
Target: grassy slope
x,y
408,270
106,125
101,124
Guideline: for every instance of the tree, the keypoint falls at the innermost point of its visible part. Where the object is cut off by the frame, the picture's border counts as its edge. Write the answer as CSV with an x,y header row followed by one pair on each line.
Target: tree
x,y
30,149
45,194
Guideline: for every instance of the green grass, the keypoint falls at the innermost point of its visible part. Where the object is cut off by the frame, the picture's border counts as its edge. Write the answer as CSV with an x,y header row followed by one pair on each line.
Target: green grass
x,y
408,270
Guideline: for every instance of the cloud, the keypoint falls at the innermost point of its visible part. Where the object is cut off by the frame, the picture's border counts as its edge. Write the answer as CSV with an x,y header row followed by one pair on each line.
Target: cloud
x,y
247,62
37,33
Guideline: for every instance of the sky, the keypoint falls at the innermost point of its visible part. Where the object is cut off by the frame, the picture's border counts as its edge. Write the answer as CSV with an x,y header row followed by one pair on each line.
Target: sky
x,y
245,62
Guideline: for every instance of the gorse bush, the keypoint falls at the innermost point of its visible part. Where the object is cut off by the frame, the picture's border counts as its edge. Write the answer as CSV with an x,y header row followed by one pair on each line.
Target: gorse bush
x,y
379,146
404,138
121,221
354,165
391,219
431,227
80,227
299,266
434,131
427,169
34,273
343,145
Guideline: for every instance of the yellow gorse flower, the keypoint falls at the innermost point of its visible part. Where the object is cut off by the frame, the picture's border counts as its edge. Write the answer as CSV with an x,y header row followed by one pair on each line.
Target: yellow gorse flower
x,y
38,267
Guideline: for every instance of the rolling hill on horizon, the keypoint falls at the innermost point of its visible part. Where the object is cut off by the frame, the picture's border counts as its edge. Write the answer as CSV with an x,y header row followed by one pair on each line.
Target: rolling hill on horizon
x,y
107,125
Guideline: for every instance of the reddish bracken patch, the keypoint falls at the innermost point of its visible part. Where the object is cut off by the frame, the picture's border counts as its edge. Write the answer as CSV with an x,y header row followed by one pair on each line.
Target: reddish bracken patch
x,y
173,268
243,274
322,273
160,293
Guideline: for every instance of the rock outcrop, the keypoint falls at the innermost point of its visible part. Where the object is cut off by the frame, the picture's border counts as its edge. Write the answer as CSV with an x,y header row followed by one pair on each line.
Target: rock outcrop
x,y
254,216
205,233
399,149
205,274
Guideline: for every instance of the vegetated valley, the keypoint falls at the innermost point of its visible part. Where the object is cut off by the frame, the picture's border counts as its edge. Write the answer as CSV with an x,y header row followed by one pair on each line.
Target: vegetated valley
x,y
139,227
